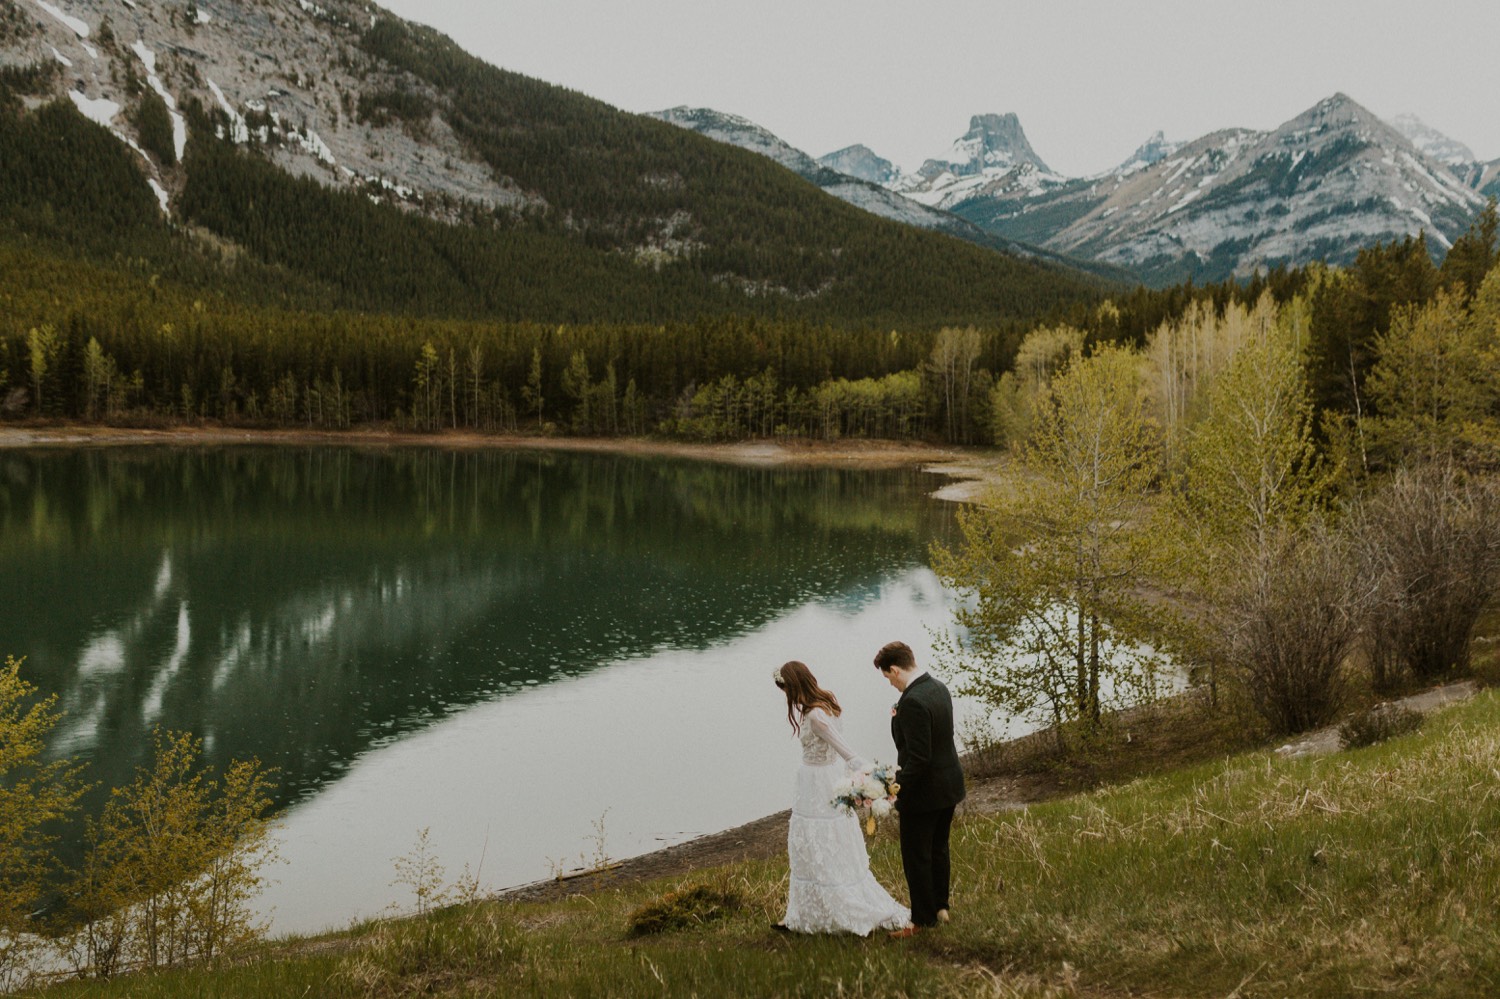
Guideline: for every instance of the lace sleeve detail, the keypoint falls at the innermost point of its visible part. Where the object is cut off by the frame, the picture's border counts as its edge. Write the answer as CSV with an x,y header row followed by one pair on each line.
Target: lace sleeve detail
x,y
823,726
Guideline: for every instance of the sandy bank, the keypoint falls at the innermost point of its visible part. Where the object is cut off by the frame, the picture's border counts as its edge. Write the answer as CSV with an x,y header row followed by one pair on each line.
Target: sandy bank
x,y
970,467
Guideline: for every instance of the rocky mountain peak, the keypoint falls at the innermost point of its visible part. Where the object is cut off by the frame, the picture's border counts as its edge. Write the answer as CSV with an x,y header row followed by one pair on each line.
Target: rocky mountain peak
x,y
993,142
1339,113
742,132
1153,150
861,161
1433,143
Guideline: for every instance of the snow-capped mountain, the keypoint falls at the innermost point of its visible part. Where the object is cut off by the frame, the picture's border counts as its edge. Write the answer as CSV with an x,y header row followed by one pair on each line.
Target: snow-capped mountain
x,y
742,132
860,161
1433,144
1153,150
1330,181
1482,177
1325,184
269,72
993,142
852,188
320,88
992,159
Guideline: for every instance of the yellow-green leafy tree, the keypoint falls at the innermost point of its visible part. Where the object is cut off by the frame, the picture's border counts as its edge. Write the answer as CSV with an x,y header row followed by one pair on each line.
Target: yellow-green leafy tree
x,y
33,795
1247,502
1054,564
1044,352
172,863
42,347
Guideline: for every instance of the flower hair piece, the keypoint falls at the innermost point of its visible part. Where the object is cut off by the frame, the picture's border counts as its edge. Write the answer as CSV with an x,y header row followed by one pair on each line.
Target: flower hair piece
x,y
777,677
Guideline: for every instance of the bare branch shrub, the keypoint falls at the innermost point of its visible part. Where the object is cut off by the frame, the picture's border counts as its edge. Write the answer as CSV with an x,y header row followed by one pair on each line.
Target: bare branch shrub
x,y
1289,621
1429,542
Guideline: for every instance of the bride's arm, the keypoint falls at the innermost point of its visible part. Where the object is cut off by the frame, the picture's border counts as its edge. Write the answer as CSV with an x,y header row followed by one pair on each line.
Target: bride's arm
x,y
823,727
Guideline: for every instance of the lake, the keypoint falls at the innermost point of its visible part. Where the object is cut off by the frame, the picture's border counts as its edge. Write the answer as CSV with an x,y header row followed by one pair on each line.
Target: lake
x,y
538,657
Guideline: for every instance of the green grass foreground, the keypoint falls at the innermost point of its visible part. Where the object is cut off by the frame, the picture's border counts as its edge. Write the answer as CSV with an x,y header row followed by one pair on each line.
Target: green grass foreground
x,y
1369,871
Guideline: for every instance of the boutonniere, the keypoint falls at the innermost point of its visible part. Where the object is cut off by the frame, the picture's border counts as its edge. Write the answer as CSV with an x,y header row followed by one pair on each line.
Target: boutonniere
x,y
893,710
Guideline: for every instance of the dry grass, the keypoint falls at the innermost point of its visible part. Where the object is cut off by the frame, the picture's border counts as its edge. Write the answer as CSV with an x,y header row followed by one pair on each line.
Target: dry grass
x,y
1311,877
1374,871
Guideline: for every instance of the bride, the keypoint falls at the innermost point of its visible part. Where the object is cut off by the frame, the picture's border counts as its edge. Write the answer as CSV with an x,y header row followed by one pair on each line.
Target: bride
x,y
832,889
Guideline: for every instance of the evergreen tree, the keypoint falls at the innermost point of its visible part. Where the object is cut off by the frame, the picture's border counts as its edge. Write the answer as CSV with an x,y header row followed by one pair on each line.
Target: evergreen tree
x,y
1350,310
153,124
1473,255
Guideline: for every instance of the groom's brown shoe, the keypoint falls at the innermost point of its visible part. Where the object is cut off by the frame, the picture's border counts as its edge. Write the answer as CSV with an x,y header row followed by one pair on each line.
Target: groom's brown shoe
x,y
905,932
942,916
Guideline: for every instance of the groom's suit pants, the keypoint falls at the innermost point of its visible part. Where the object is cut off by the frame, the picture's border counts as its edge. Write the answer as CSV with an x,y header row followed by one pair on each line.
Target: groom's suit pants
x,y
924,859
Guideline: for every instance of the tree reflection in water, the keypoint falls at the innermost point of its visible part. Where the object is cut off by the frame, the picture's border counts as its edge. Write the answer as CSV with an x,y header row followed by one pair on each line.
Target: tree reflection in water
x,y
304,604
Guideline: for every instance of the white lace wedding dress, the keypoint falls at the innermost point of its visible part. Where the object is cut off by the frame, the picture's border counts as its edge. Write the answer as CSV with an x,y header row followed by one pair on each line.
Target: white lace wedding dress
x,y
832,889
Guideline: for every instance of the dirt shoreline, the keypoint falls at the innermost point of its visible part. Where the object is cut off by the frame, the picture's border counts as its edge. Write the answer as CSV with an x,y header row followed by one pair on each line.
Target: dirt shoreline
x,y
971,468
759,839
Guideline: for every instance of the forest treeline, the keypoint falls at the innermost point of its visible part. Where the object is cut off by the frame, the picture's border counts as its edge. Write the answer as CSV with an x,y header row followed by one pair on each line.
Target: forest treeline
x,y
282,303
84,341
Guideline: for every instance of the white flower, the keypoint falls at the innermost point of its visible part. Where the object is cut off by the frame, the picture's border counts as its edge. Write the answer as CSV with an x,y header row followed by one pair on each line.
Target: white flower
x,y
880,808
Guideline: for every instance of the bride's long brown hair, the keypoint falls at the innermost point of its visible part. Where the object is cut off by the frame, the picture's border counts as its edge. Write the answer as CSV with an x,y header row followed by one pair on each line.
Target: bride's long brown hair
x,y
803,694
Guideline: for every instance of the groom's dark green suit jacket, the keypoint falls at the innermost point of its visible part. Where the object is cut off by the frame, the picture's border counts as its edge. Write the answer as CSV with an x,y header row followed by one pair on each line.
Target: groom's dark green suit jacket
x,y
922,726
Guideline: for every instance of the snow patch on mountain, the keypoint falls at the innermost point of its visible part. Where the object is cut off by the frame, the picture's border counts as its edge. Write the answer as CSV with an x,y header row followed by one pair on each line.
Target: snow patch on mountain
x,y
239,129
100,110
1153,150
161,195
78,27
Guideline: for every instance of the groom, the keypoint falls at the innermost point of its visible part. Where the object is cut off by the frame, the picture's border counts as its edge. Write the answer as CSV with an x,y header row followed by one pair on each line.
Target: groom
x,y
932,782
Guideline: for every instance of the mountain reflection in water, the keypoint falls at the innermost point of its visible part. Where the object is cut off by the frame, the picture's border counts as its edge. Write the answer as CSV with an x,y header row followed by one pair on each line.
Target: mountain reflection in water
x,y
304,605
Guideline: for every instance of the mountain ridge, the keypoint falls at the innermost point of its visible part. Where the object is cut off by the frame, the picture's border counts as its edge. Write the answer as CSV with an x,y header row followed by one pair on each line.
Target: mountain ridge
x,y
876,198
1322,185
544,204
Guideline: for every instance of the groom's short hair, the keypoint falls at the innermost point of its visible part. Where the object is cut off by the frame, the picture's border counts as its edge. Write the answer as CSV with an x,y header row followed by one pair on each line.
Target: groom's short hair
x,y
895,655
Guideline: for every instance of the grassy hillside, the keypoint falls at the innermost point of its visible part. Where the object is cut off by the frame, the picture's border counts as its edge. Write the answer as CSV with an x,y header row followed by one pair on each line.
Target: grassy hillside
x,y
1370,871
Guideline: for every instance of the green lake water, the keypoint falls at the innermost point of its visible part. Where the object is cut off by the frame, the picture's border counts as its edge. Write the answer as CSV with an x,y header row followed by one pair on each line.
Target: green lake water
x,y
537,656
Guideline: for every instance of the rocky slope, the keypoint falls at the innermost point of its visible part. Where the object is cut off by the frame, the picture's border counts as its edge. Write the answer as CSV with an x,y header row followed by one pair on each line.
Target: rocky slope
x,y
1321,186
857,184
288,75
498,195
860,162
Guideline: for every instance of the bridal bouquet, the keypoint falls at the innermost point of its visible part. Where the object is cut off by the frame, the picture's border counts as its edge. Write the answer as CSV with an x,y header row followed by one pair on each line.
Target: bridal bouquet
x,y
874,788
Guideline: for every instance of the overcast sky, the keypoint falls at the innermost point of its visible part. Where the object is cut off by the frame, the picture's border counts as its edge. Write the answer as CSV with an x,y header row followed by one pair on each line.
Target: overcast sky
x,y
1090,79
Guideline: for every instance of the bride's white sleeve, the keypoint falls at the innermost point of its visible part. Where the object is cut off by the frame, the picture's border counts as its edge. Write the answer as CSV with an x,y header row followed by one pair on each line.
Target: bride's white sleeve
x,y
823,727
